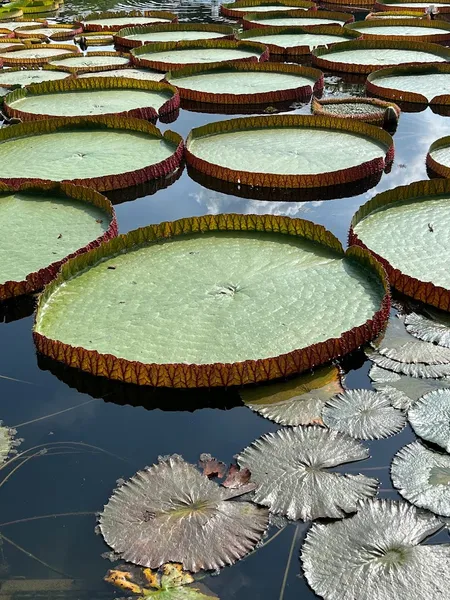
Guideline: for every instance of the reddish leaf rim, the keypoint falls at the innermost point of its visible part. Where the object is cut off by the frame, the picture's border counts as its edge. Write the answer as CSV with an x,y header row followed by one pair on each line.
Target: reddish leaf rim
x,y
215,374
158,65
364,28
394,13
10,60
120,38
319,107
392,6
414,97
274,50
91,69
424,291
99,38
37,280
295,93
435,168
227,9
256,20
107,182
21,32
273,180
91,27
148,113
319,55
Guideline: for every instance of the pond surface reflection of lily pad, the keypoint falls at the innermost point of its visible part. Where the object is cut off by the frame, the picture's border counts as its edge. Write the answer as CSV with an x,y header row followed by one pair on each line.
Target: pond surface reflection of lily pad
x,y
290,466
430,417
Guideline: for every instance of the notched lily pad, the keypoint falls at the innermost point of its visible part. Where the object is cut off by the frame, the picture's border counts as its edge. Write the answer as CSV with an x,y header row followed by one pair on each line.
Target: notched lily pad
x,y
422,477
290,466
298,401
377,555
363,414
171,513
430,417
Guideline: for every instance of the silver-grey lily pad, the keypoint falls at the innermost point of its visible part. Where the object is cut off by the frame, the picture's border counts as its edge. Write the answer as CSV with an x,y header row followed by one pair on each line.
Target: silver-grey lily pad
x,y
298,401
363,414
423,477
412,369
430,417
290,466
429,330
403,390
169,512
377,555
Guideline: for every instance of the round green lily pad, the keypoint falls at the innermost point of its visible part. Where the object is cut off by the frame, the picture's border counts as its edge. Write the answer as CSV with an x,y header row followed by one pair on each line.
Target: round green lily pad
x,y
94,61
105,153
128,73
365,56
137,36
415,251
38,54
50,32
235,271
12,25
288,151
57,222
403,29
236,10
369,110
416,5
86,97
114,21
20,77
309,19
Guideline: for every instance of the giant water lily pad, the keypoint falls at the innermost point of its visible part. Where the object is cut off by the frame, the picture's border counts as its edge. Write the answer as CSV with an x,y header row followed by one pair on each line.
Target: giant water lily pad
x,y
57,222
247,83
365,56
132,37
430,417
415,251
404,29
85,97
290,469
128,73
294,18
94,61
418,6
377,555
298,401
438,160
363,414
10,78
54,32
238,9
38,54
264,261
394,14
172,55
101,152
369,110
114,21
297,41
422,477
171,513
288,151
435,330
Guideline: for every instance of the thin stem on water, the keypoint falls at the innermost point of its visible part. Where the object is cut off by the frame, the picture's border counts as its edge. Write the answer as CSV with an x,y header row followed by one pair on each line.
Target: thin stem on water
x,y
30,555
60,412
17,380
275,535
288,564
54,515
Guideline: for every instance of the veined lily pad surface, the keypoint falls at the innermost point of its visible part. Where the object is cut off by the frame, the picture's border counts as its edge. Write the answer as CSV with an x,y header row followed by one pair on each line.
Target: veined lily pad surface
x,y
430,417
174,32
290,466
170,512
128,73
282,151
56,222
426,31
422,477
436,330
377,554
101,152
36,55
128,98
94,61
22,77
298,401
415,251
219,311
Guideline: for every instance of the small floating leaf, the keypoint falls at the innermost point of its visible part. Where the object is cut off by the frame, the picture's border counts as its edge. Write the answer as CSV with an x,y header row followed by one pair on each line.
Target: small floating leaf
x,y
429,330
377,555
423,477
290,470
171,513
363,414
211,467
7,442
430,417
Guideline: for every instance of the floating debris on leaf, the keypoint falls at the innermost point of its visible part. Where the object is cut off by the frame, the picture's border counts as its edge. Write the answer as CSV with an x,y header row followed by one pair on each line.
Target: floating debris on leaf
x,y
430,417
290,466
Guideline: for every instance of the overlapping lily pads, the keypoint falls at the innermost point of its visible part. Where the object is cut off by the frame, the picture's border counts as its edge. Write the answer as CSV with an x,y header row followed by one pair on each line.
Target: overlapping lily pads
x,y
169,512
400,29
114,21
415,251
38,54
169,56
369,110
365,56
430,417
293,335
18,77
236,10
90,63
57,31
122,97
288,151
247,83
297,41
422,477
290,470
377,554
12,25
298,401
435,330
308,19
58,222
132,37
105,153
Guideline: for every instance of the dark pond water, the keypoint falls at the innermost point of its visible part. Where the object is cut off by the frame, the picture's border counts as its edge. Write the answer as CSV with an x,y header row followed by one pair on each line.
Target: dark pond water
x,y
110,431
